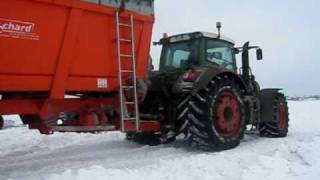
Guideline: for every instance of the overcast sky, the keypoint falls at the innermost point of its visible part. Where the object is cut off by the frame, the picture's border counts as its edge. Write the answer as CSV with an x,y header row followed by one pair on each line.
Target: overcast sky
x,y
287,30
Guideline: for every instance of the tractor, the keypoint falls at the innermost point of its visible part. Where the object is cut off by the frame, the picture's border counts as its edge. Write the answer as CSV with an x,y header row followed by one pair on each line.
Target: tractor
x,y
198,91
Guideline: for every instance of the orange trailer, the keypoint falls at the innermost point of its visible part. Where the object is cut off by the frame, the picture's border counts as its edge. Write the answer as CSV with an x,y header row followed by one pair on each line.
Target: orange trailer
x,y
60,58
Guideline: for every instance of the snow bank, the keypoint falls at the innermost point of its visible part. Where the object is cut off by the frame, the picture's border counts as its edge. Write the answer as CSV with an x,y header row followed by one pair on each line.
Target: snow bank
x,y
27,155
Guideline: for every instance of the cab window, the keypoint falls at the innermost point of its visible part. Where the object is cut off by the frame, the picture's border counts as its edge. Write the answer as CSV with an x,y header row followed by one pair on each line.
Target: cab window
x,y
180,55
220,53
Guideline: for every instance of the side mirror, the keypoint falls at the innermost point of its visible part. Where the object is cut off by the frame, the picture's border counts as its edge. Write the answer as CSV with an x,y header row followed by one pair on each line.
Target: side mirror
x,y
259,54
235,50
155,43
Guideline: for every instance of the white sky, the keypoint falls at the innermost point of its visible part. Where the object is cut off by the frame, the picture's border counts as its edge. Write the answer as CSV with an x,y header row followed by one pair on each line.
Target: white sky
x,y
288,32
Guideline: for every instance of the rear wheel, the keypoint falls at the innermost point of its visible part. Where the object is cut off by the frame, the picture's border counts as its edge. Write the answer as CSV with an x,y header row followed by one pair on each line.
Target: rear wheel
x,y
1,122
182,114
278,125
216,115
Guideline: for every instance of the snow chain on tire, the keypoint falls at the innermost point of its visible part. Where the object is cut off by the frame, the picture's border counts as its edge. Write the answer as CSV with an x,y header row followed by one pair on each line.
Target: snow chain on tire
x,y
203,129
182,114
278,126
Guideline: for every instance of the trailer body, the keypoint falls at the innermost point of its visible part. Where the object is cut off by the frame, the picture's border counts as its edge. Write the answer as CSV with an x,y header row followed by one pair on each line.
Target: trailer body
x,y
63,46
53,48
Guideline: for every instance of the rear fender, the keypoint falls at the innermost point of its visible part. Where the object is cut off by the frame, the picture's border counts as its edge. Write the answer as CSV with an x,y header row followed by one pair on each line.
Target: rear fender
x,y
208,75
266,97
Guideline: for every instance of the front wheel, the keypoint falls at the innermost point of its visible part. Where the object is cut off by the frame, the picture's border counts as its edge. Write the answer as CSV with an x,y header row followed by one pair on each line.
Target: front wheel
x,y
278,125
216,115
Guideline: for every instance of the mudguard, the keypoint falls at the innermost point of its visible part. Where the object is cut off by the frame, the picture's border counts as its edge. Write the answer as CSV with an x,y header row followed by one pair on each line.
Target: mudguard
x,y
266,97
209,73
175,81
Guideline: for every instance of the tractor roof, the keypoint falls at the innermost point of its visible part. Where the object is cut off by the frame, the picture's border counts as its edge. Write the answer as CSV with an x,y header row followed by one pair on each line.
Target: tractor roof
x,y
198,34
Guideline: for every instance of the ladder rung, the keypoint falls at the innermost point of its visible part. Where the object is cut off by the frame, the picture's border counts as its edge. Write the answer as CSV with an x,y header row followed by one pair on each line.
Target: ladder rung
x,y
130,103
127,71
126,55
129,118
124,24
127,87
125,40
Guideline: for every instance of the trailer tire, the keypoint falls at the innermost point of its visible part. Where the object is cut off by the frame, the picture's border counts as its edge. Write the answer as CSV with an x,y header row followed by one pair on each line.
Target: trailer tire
x,y
1,122
30,119
279,124
150,139
216,115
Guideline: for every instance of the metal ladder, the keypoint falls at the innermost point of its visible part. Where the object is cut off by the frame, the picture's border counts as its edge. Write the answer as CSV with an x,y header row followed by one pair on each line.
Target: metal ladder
x,y
124,104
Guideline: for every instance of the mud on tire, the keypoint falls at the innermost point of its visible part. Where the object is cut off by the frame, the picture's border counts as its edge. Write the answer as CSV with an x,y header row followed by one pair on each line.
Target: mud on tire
x,y
216,115
279,124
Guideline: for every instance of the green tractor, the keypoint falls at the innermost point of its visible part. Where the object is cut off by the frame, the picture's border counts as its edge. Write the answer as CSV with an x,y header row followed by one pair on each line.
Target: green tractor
x,y
198,91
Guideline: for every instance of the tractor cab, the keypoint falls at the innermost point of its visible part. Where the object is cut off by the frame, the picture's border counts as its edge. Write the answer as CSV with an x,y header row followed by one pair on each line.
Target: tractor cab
x,y
184,51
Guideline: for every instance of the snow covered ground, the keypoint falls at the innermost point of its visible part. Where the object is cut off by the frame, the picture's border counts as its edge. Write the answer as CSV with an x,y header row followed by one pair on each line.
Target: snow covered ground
x,y
25,154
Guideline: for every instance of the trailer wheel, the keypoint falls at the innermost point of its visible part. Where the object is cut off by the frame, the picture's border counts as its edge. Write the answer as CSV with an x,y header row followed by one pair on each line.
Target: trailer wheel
x,y
30,119
34,122
278,126
217,116
1,122
150,139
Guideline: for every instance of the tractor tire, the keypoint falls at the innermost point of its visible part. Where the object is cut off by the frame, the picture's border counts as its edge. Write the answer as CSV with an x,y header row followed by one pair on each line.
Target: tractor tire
x,y
150,139
1,122
278,126
216,116
182,114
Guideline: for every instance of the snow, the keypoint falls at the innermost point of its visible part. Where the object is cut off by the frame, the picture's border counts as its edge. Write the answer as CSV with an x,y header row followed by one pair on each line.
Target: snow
x,y
25,154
